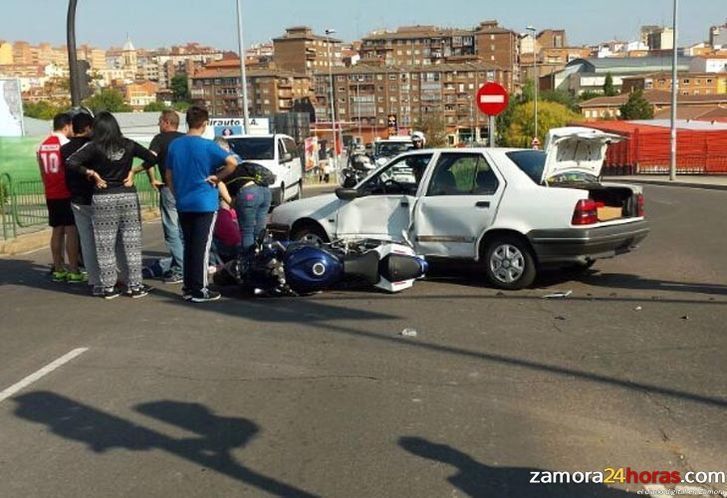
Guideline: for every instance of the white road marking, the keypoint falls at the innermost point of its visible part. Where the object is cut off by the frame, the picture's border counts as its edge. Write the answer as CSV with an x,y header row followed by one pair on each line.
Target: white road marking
x,y
492,99
34,377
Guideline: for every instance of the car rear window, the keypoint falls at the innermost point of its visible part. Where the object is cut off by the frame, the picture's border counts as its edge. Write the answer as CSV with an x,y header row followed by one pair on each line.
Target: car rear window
x,y
531,162
253,148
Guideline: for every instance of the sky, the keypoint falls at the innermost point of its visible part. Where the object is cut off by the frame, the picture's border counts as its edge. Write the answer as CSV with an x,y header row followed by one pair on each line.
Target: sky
x,y
156,23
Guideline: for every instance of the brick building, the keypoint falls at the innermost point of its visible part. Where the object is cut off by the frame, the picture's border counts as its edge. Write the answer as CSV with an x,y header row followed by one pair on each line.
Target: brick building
x,y
689,83
499,46
367,95
301,51
609,107
140,94
270,91
416,45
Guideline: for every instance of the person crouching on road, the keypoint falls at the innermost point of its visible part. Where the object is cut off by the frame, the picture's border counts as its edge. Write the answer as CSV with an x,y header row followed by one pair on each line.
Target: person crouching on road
x,y
251,200
227,238
115,203
192,173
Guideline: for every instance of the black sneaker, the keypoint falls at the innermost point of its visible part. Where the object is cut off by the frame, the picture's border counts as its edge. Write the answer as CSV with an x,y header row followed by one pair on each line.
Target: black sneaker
x,y
109,294
139,292
97,291
205,296
173,278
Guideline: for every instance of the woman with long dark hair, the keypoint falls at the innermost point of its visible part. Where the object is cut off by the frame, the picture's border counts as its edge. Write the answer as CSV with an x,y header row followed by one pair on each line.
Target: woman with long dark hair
x,y
107,160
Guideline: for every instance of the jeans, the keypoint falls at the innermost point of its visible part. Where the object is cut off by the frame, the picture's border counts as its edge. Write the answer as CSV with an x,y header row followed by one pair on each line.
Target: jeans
x,y
252,206
172,230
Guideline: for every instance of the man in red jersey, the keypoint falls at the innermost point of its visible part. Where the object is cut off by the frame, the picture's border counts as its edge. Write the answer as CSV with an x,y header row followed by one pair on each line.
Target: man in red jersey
x,y
58,199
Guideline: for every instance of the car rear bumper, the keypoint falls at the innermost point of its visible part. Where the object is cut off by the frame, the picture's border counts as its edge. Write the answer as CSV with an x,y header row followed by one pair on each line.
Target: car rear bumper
x,y
581,245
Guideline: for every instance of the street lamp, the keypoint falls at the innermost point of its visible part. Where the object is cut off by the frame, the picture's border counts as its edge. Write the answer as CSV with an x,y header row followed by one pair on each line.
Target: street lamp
x,y
75,80
674,93
536,80
243,70
330,32
359,79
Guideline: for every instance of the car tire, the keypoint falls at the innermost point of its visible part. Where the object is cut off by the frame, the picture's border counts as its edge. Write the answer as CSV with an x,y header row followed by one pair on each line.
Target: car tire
x,y
310,232
509,263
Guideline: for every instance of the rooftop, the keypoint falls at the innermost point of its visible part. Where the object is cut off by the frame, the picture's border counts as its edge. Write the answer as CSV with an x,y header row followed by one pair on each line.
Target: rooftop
x,y
657,97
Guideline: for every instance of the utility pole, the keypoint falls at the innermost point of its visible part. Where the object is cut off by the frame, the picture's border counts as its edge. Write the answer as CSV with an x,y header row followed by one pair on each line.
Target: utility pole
x,y
243,69
536,79
75,80
674,93
329,32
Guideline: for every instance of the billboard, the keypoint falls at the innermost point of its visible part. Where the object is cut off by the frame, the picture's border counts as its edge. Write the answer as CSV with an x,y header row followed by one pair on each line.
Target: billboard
x,y
11,108
227,127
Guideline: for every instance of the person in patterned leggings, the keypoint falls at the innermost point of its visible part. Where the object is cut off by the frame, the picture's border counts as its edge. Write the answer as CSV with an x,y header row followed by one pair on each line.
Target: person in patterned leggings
x,y
107,160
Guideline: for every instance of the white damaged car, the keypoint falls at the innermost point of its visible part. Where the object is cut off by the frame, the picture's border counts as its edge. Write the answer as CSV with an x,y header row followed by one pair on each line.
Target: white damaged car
x,y
513,211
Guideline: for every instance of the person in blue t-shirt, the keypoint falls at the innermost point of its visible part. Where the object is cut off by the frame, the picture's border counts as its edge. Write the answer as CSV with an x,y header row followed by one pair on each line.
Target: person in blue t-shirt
x,y
193,171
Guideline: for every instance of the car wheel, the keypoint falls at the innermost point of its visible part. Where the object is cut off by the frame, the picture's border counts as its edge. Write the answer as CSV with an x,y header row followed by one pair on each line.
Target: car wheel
x,y
310,233
509,263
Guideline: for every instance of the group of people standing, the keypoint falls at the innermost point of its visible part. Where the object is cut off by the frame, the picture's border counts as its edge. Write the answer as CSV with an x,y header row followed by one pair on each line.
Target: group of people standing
x,y
88,174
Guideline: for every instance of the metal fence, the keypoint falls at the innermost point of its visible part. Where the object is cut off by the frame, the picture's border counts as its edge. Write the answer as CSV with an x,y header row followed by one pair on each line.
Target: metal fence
x,y
23,207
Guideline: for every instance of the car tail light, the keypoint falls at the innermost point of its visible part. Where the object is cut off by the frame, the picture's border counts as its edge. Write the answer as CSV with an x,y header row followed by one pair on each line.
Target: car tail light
x,y
586,212
640,206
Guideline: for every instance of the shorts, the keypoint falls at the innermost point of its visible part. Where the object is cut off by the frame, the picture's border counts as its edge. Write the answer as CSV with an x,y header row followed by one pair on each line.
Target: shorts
x,y
60,213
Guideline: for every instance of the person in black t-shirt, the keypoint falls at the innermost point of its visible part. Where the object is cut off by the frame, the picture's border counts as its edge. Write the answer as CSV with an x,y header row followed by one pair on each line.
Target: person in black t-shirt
x,y
168,132
108,159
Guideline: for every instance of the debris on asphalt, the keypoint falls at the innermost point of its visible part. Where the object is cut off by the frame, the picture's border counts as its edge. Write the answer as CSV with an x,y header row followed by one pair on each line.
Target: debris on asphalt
x,y
409,333
500,294
561,318
559,295
638,308
685,317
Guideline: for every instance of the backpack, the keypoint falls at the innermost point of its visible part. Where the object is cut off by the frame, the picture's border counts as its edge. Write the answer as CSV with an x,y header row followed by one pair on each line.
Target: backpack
x,y
259,174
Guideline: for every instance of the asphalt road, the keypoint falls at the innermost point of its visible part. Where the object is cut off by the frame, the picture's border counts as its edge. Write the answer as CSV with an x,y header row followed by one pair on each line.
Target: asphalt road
x,y
322,396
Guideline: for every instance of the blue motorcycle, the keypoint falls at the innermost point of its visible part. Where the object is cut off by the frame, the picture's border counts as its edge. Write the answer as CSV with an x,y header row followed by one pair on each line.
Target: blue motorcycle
x,y
277,268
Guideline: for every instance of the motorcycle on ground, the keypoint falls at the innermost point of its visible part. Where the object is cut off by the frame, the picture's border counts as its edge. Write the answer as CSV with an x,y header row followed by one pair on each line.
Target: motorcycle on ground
x,y
277,268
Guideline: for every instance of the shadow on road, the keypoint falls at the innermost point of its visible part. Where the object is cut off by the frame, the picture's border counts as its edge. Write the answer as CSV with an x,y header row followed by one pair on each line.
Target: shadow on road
x,y
102,432
484,481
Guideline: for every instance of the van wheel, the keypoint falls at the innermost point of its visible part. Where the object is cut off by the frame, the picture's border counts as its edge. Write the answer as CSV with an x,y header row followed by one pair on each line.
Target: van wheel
x,y
509,263
299,195
310,233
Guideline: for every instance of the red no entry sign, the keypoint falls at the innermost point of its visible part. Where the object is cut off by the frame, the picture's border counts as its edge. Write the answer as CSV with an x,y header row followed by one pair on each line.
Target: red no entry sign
x,y
492,99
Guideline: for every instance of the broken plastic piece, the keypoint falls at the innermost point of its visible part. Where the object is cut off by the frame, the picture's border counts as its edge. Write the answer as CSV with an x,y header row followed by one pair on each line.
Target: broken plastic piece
x,y
559,295
409,333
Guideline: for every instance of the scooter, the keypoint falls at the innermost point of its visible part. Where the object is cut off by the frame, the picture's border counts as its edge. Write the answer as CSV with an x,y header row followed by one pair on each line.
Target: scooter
x,y
277,268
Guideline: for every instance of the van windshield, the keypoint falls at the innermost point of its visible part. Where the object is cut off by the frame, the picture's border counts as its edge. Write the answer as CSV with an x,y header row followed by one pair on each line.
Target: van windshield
x,y
392,149
253,147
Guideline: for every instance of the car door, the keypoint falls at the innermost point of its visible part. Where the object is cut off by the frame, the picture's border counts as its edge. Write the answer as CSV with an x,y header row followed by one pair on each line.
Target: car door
x,y
459,203
284,165
383,211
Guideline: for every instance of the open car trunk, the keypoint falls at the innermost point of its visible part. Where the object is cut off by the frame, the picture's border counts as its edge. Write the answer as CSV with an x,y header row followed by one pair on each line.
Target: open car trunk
x,y
574,158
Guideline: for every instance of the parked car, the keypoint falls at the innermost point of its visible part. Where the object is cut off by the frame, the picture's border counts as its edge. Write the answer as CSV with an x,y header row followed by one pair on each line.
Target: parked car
x,y
280,155
513,211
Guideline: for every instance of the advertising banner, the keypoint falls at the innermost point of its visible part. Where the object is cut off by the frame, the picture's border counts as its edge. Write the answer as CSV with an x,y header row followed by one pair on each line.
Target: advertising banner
x,y
11,108
311,153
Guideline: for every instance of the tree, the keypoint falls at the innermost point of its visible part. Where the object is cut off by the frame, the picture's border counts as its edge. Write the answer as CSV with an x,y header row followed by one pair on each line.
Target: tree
x,y
42,110
560,97
108,99
522,127
155,107
637,107
180,88
608,89
588,95
434,128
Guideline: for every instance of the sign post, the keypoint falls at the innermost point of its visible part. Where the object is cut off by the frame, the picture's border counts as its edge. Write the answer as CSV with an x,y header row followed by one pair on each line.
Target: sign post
x,y
492,99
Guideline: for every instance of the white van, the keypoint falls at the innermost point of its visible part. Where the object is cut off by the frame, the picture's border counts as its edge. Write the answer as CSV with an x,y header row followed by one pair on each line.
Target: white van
x,y
279,154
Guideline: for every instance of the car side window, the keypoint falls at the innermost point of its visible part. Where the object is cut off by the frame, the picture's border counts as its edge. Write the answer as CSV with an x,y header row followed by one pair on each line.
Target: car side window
x,y
400,177
486,182
455,174
290,147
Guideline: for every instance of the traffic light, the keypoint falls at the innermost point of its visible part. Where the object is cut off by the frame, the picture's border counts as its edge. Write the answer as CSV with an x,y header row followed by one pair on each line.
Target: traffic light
x,y
393,125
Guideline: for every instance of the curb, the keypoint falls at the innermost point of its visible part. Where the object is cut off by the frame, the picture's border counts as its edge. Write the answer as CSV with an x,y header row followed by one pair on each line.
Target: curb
x,y
666,183
40,239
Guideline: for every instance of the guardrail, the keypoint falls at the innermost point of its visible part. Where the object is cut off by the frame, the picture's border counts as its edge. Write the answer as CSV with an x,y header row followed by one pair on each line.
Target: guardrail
x,y
23,206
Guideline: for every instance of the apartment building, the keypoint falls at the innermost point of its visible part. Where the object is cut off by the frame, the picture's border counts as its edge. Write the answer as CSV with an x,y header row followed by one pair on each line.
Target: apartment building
x,y
689,83
499,46
416,45
300,50
270,91
367,95
140,94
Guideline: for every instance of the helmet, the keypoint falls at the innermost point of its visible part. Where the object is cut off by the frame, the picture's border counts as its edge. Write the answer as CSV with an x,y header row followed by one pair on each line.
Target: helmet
x,y
418,136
